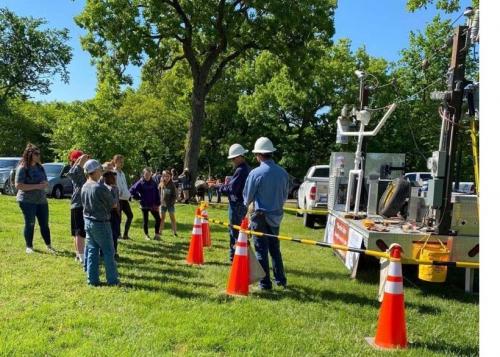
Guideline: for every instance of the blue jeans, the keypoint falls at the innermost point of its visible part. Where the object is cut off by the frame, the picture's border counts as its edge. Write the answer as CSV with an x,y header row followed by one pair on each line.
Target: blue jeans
x,y
41,212
237,212
99,237
268,245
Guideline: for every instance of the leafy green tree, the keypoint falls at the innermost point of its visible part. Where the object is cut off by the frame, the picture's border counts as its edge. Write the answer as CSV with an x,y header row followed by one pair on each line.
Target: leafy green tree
x,y
30,55
208,34
24,121
298,106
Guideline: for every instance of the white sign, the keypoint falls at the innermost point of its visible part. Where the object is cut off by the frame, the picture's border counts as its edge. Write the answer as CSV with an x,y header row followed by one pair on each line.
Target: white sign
x,y
355,241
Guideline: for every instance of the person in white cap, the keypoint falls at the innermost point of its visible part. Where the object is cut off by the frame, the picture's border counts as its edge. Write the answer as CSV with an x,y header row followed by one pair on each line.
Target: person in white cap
x,y
234,191
267,188
97,203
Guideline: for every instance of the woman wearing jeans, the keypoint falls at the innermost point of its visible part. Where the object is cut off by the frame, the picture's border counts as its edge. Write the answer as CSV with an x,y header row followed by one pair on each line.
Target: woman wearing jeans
x,y
31,182
146,190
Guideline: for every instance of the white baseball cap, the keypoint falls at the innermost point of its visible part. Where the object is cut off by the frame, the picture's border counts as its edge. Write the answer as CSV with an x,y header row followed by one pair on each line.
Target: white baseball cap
x,y
91,166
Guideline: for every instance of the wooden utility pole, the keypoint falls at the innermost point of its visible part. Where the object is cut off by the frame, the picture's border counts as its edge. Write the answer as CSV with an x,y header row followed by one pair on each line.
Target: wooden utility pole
x,y
456,86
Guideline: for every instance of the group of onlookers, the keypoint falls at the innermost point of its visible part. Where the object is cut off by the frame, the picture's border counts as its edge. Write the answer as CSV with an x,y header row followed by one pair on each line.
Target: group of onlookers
x,y
101,195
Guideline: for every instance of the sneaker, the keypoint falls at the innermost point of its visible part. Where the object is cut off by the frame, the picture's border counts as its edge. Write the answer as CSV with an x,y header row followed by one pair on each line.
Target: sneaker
x,y
146,237
29,250
120,237
157,237
51,250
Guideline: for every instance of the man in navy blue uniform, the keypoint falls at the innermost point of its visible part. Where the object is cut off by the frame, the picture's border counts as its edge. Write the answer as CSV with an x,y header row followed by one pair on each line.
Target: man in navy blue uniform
x,y
234,191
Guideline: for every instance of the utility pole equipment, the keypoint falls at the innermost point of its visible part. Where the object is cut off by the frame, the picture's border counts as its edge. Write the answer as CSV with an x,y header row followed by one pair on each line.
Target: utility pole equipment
x,y
450,127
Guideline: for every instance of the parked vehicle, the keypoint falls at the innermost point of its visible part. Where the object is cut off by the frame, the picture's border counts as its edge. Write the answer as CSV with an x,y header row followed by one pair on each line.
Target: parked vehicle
x,y
7,174
313,193
59,184
418,178
293,187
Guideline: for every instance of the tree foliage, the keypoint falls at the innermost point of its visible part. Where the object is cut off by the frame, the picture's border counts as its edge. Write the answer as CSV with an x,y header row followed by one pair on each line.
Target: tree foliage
x,y
30,55
208,34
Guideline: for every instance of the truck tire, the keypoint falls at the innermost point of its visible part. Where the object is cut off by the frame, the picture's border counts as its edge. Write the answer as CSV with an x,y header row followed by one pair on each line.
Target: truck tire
x,y
298,213
309,220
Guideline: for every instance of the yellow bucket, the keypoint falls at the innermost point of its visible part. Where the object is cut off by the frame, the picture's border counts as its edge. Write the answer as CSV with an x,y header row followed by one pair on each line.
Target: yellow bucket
x,y
431,251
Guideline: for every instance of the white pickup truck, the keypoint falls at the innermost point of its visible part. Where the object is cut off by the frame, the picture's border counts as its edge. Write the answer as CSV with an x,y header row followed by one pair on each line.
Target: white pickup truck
x,y
313,193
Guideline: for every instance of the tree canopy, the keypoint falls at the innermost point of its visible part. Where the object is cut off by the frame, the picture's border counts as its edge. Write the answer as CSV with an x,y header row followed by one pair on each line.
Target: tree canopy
x,y
208,34
30,55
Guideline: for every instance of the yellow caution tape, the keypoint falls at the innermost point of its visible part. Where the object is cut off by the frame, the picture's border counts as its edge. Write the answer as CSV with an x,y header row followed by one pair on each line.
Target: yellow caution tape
x,y
368,252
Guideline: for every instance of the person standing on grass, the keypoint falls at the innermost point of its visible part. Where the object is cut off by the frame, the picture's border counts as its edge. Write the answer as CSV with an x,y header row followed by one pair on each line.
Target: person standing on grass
x,y
211,184
185,181
77,159
234,190
267,188
31,183
97,202
168,196
146,190
109,180
124,195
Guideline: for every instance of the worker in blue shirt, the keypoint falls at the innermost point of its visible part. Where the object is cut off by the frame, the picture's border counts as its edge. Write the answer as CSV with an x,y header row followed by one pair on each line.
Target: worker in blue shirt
x,y
267,188
234,191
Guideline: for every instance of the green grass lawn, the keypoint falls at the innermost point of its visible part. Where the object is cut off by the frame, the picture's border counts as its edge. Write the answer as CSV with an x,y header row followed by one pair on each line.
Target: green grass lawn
x,y
166,307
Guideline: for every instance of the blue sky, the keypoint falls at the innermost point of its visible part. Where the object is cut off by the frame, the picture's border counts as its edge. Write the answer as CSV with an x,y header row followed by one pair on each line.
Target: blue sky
x,y
382,26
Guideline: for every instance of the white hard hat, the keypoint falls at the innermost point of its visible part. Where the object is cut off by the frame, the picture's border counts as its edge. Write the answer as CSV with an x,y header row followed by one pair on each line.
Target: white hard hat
x,y
236,150
263,146
91,166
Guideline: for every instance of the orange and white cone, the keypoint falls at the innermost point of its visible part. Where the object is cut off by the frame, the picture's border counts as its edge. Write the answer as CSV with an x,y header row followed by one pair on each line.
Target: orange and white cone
x,y
195,254
205,228
238,283
391,330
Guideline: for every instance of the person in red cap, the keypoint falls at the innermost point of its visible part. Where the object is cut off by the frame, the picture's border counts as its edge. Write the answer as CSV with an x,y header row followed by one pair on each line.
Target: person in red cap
x,y
77,159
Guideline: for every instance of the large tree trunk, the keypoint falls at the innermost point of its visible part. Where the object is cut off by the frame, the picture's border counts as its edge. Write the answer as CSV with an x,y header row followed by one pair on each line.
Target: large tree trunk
x,y
194,134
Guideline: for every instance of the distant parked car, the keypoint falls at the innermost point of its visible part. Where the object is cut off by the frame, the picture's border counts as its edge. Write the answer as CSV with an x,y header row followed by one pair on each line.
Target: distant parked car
x,y
313,193
59,184
293,187
7,174
418,178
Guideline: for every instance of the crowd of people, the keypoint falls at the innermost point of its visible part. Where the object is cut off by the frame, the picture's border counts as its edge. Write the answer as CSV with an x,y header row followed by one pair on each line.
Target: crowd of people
x,y
101,196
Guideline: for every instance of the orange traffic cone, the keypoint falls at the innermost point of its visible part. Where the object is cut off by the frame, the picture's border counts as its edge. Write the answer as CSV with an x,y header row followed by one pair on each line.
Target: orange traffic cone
x,y
391,330
240,271
205,228
195,254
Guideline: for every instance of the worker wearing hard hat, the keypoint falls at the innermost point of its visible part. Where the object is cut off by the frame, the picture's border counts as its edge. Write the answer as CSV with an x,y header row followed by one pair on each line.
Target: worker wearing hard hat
x,y
267,188
234,191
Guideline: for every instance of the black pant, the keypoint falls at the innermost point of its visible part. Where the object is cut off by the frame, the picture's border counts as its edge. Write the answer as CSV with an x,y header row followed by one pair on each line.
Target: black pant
x,y
125,207
41,212
145,217
115,227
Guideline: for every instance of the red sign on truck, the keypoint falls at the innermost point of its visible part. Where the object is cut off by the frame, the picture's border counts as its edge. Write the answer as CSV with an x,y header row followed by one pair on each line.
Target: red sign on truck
x,y
341,234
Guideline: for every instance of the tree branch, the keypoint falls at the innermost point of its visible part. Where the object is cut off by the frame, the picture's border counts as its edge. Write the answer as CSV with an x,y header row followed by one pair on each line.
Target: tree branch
x,y
174,61
225,61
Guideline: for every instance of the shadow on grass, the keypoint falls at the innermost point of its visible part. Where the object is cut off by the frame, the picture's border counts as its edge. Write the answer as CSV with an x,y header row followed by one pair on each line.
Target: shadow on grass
x,y
181,293
217,263
304,294
329,275
144,279
446,348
